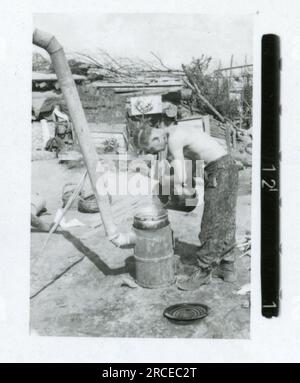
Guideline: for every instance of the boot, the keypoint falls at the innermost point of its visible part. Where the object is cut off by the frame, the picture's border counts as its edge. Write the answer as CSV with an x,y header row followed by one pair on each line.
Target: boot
x,y
198,278
227,271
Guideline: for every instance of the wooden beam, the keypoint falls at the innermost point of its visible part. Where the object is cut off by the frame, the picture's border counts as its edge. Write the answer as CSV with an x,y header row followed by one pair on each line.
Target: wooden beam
x,y
196,89
234,67
192,85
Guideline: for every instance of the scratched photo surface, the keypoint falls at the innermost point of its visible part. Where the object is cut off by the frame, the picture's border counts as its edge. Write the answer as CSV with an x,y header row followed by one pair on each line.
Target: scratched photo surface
x,y
141,175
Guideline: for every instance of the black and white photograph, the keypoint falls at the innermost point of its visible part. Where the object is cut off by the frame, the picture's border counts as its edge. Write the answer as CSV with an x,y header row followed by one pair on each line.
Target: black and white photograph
x,y
141,167
149,156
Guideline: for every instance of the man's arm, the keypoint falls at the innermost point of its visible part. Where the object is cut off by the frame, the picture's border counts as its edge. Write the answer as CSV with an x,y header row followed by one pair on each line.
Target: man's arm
x,y
179,167
178,164
182,175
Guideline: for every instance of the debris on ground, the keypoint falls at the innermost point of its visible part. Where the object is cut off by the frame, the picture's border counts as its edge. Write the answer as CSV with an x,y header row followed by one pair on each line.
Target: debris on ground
x,y
129,283
244,245
245,289
245,304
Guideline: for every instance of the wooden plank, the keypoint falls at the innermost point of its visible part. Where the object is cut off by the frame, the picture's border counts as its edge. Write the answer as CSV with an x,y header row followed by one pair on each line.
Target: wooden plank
x,y
147,90
206,124
104,85
234,67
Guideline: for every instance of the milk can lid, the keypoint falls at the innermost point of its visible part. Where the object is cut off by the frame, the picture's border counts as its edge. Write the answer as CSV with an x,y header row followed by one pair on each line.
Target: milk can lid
x,y
186,313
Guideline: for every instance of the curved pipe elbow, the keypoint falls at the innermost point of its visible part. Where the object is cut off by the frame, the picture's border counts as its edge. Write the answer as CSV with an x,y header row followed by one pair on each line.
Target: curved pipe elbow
x,y
124,240
46,41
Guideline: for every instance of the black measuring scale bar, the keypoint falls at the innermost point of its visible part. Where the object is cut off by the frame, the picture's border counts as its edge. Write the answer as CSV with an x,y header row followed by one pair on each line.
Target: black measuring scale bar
x,y
270,159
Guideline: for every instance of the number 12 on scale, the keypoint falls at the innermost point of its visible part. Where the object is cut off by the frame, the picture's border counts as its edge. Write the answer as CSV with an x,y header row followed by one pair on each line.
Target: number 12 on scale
x,y
270,183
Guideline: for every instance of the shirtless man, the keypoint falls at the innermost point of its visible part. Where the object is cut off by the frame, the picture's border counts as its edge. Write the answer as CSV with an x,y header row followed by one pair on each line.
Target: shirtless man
x,y
217,233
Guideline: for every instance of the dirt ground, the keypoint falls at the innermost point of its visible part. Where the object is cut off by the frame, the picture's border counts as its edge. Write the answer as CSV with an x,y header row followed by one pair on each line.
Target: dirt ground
x,y
78,284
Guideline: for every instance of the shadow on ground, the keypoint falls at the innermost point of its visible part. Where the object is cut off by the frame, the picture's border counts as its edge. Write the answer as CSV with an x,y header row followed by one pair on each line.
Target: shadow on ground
x,y
77,283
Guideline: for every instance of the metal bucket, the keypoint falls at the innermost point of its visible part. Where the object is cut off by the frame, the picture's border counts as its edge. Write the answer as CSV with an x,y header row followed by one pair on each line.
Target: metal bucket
x,y
154,255
178,202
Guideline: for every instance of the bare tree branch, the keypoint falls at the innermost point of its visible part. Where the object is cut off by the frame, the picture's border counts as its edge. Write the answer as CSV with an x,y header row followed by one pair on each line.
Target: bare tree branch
x,y
160,61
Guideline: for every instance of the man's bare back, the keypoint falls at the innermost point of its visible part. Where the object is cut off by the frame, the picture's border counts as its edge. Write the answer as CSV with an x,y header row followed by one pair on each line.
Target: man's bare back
x,y
192,143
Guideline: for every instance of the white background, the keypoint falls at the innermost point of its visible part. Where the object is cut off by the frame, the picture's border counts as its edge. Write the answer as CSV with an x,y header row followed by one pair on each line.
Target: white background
x,y
271,340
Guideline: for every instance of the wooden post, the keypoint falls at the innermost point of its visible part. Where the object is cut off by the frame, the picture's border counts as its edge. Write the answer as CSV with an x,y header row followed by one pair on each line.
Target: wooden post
x,y
230,75
206,124
233,133
227,136
219,71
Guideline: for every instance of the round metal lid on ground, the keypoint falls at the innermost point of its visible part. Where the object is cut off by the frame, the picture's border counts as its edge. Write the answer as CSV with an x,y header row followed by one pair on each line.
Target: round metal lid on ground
x,y
186,313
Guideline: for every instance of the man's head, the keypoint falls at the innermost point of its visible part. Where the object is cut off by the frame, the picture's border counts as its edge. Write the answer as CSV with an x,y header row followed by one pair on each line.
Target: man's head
x,y
152,140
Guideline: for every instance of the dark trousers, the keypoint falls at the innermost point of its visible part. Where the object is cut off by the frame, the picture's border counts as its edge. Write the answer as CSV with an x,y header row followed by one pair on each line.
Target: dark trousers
x,y
218,225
